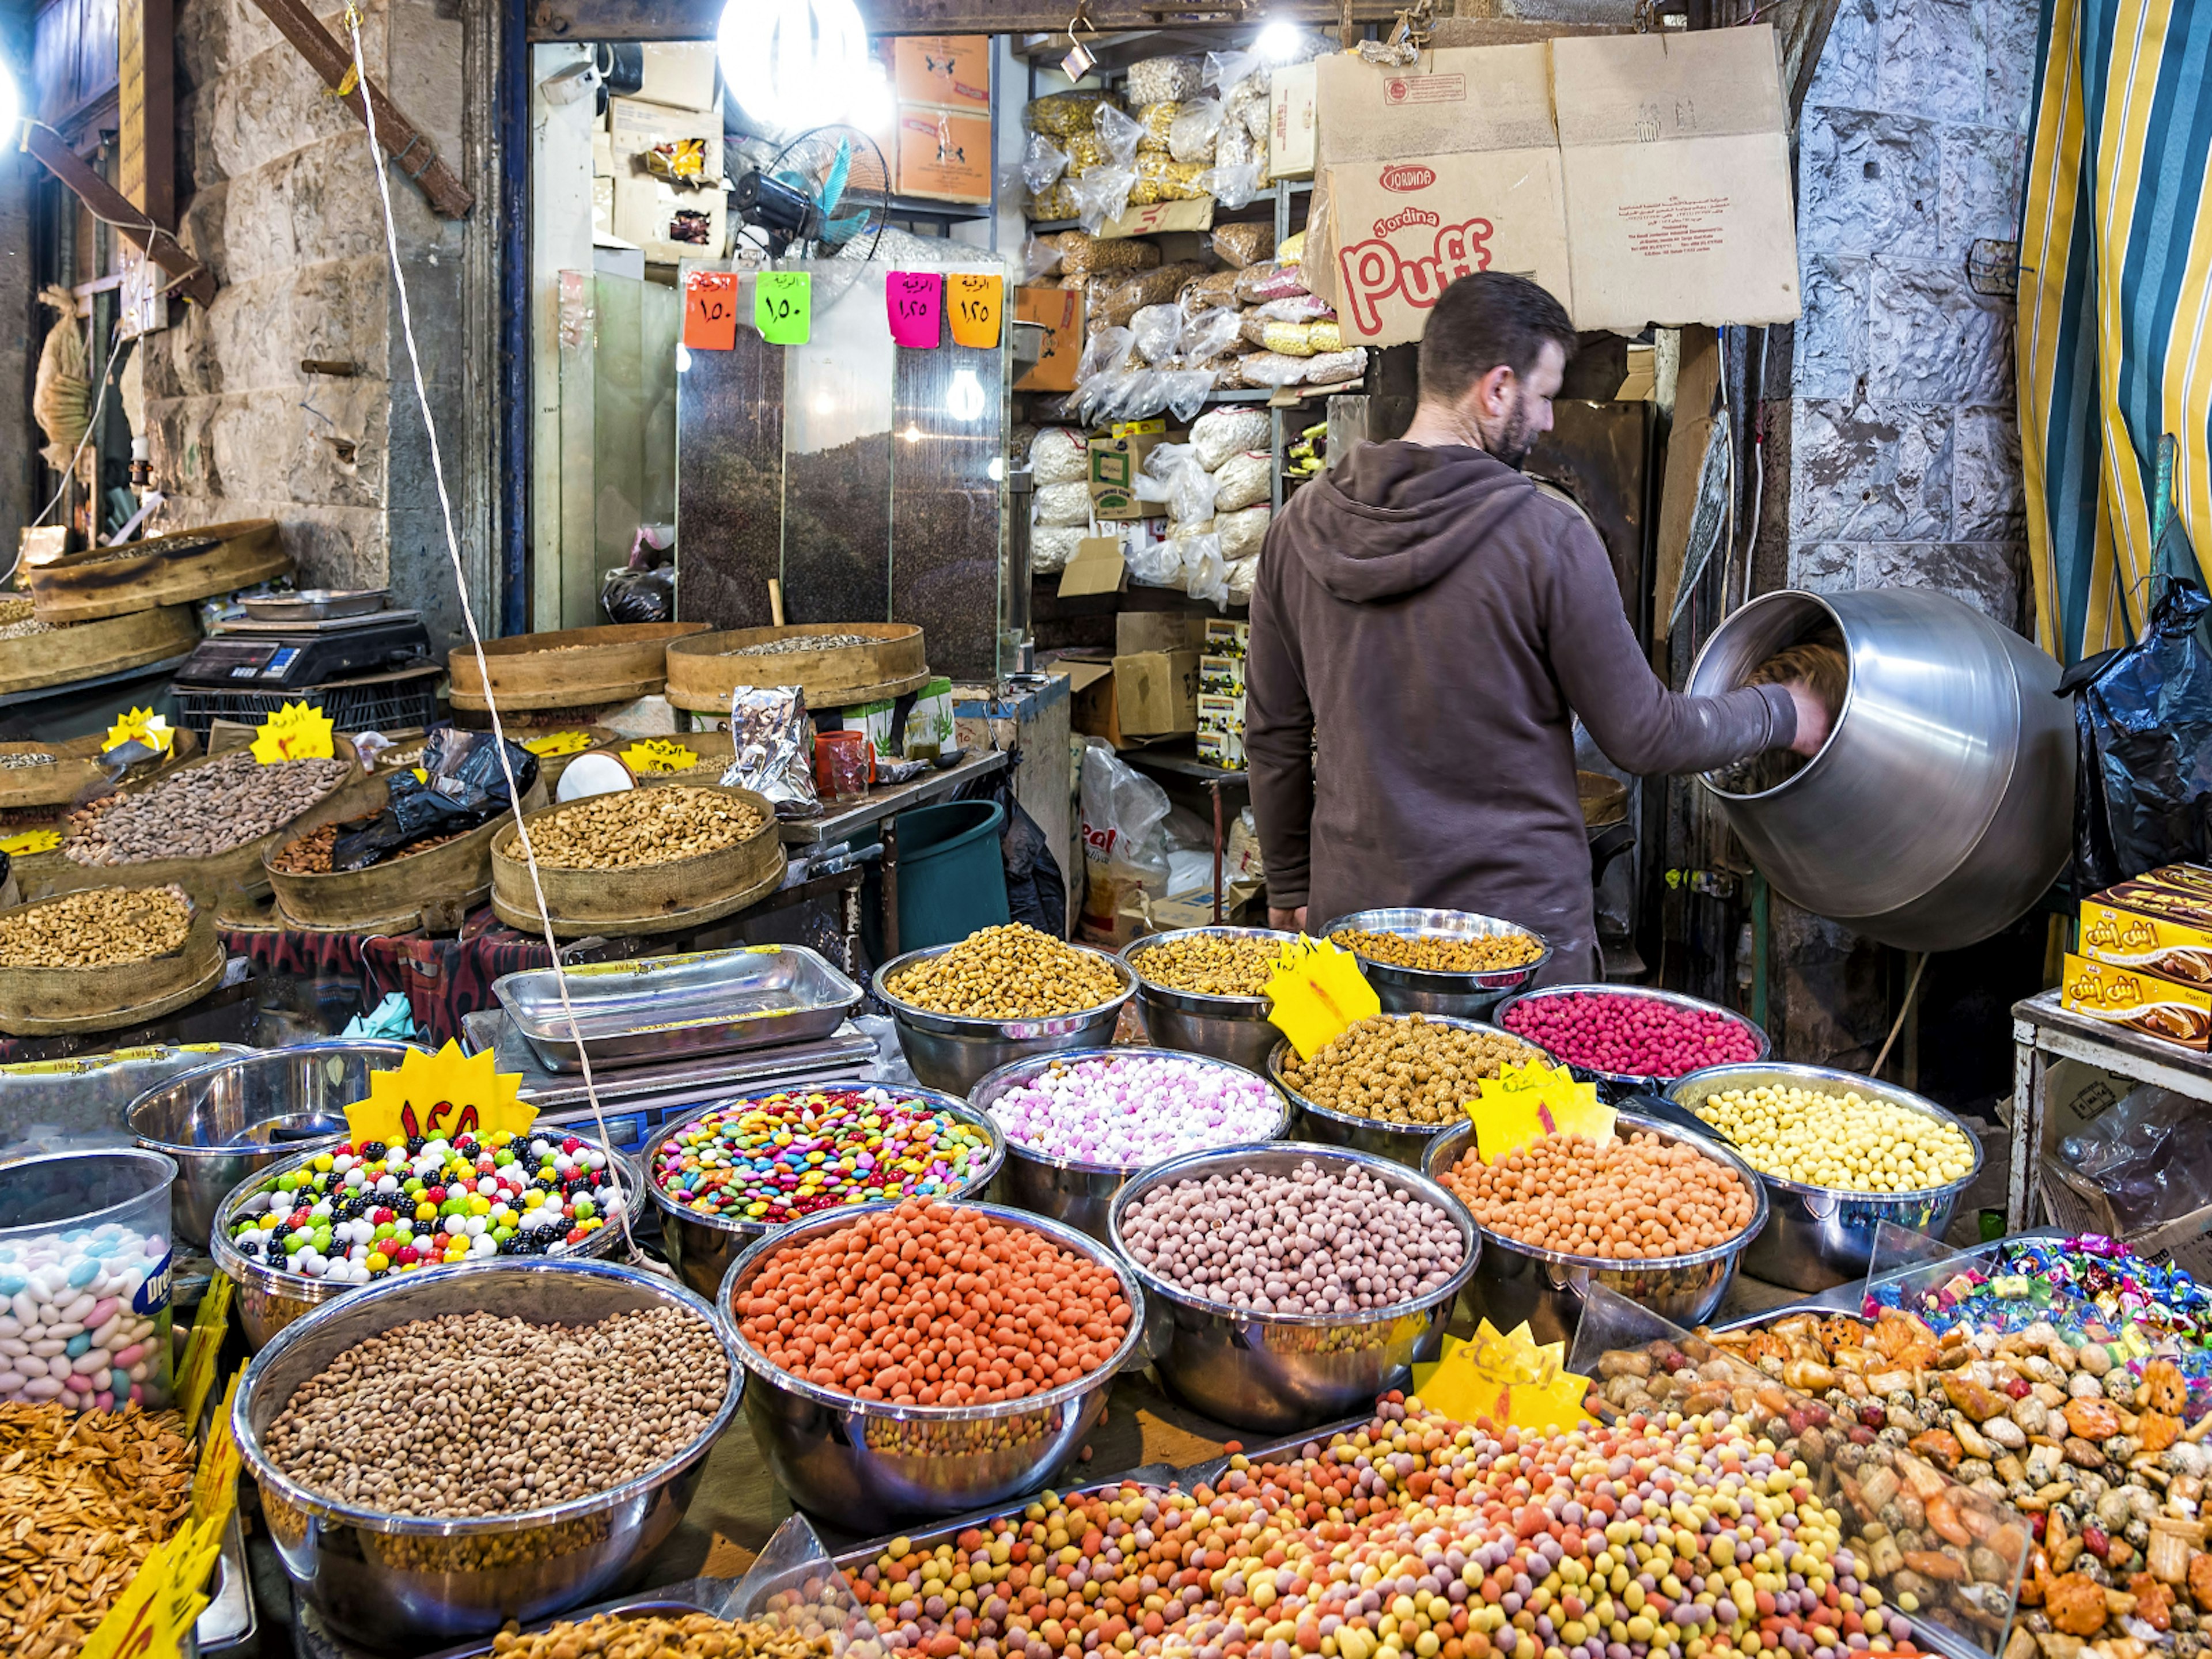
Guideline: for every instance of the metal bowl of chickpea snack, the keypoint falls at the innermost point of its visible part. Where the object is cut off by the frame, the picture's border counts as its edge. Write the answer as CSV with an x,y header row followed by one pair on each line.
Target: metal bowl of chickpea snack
x,y
1197,989
1001,994
1839,1155
1440,962
1354,1093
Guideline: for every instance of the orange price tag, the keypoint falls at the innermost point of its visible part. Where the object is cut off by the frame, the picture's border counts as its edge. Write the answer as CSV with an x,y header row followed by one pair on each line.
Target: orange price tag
x,y
710,311
973,303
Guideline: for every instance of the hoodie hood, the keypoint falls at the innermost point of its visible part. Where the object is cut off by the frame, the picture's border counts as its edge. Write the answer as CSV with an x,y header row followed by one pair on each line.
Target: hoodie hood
x,y
1393,518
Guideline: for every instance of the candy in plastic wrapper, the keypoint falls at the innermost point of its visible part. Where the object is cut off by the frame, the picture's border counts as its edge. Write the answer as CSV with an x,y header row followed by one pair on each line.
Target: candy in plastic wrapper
x,y
773,744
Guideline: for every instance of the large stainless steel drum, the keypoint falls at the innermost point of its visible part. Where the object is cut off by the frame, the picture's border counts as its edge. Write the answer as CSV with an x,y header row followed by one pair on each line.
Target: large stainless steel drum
x,y
1942,806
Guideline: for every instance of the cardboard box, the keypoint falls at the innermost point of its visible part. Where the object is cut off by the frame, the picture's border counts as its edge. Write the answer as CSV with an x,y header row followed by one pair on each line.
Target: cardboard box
x,y
1156,631
1058,311
1219,711
944,154
1192,213
1092,710
681,76
2190,877
2123,935
1222,749
2135,1001
1156,693
1221,677
1224,638
1114,464
671,221
951,71
1291,122
1098,567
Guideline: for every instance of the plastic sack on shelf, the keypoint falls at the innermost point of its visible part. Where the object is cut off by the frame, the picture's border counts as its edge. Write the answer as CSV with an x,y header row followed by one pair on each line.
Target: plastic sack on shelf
x,y
1331,367
1207,334
1296,308
1119,134
2147,1155
1231,69
1326,337
1243,531
1269,279
1082,254
1157,121
1205,572
2142,715
1102,194
1243,479
1172,474
773,742
1118,302
1272,369
1058,454
1240,244
1241,574
1043,162
1053,546
1197,121
1220,432
1232,184
1164,179
1162,80
1103,352
1058,203
1124,843
1156,330
1153,563
1163,464
1060,113
1249,103
1064,504
1183,392
1040,258
1144,394
1214,290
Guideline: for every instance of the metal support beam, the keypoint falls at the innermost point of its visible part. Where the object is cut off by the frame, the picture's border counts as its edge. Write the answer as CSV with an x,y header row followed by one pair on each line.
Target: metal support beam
x,y
194,281
409,146
701,19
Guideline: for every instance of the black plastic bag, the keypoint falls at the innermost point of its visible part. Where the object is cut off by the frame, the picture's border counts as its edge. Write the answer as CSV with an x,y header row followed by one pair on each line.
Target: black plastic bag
x,y
2143,722
466,788
639,595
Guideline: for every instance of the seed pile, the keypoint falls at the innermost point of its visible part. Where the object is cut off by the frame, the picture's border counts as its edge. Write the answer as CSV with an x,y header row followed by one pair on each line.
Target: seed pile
x,y
1402,1068
73,1329
83,1501
203,810
1631,1035
97,929
1414,1535
1850,1142
1211,965
528,1416
1442,956
879,1307
25,628
1634,1199
1135,1109
1012,972
309,855
23,760
639,826
1316,1241
691,1636
801,642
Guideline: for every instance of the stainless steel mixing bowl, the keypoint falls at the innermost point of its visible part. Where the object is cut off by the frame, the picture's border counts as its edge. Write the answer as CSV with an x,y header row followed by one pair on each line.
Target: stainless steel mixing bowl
x,y
225,1120
954,1052
868,1462
1518,1281
411,1583
1283,1372
700,1247
1401,1143
1428,990
1817,1237
1080,1194
1230,1028
269,1299
1622,1083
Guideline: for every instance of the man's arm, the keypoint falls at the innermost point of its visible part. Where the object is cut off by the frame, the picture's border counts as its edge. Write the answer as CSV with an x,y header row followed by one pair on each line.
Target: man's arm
x,y
1279,740
1641,726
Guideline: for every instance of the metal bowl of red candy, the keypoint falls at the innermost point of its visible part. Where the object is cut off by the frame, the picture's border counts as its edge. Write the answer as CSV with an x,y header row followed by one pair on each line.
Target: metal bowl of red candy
x,y
1629,1038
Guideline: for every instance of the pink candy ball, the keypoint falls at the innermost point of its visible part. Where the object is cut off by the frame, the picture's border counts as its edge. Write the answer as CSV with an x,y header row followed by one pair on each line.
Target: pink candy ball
x,y
1627,1032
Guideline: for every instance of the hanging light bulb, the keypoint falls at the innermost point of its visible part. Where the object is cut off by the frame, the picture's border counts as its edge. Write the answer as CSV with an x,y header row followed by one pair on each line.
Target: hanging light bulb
x,y
1278,42
793,64
963,399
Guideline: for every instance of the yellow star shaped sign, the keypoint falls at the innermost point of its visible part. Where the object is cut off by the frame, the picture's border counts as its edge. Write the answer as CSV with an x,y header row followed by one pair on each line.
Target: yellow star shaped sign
x,y
140,726
1523,1103
1318,993
554,744
295,732
660,754
439,1096
1507,1377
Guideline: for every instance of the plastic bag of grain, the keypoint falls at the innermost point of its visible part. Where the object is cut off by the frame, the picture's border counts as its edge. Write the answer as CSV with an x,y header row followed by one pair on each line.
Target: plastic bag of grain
x,y
1060,113
1296,308
1043,162
1244,478
1158,329
1082,254
1191,135
1053,546
1153,563
1272,367
1327,339
1207,334
1164,179
1158,121
1205,572
1125,299
1058,454
1215,288
1058,203
1230,185
1102,195
1332,367
1184,391
1221,432
1246,105
1269,279
1166,80
1121,133
1243,531
1064,506
1240,245
1243,573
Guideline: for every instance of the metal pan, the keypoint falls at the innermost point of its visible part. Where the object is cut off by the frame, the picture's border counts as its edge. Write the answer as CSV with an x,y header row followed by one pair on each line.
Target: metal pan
x,y
315,604
656,1009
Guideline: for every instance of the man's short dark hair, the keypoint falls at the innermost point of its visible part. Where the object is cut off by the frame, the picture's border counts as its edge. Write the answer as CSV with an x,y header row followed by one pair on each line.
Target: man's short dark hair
x,y
1483,319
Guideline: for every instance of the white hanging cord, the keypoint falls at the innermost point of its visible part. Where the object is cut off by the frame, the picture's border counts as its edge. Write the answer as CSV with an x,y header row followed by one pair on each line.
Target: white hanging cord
x,y
469,617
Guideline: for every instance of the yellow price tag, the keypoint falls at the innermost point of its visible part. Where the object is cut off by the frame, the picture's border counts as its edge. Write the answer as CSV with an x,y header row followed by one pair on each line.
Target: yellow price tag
x,y
441,1095
30,842
141,1622
659,754
1505,1376
209,1323
140,726
214,1478
295,732
556,743
1318,993
1523,1103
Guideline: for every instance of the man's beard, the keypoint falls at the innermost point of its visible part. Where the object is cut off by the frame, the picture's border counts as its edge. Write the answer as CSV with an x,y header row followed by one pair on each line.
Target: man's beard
x,y
1515,437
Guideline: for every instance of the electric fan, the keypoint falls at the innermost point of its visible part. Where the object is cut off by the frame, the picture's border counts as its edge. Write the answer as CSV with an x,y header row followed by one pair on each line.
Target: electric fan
x,y
825,190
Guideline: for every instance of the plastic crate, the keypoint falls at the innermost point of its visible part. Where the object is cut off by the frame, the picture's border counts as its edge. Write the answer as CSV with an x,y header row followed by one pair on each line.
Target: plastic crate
x,y
384,704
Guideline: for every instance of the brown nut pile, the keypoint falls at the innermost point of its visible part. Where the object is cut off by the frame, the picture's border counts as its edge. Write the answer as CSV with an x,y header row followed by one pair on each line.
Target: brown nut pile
x,y
100,928
1402,1068
1012,972
202,810
1637,1198
638,827
1442,956
691,1636
83,1500
309,855
1209,965
528,1416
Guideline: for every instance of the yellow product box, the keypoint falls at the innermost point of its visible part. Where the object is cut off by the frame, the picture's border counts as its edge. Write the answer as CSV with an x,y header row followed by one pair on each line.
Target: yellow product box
x,y
1224,638
1223,677
2138,1001
2146,925
1222,749
1220,714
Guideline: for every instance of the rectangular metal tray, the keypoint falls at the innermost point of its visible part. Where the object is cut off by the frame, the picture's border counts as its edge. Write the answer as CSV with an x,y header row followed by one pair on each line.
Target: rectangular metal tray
x,y
656,1009
1850,1298
315,604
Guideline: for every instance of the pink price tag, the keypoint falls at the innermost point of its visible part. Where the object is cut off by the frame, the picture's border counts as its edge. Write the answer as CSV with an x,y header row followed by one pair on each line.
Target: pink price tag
x,y
916,301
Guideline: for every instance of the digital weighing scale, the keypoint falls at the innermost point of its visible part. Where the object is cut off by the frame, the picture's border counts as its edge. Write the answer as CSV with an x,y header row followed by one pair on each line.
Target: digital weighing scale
x,y
288,655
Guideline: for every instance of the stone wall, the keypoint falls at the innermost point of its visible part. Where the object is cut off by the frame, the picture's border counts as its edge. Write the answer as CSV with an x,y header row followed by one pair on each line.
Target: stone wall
x,y
19,437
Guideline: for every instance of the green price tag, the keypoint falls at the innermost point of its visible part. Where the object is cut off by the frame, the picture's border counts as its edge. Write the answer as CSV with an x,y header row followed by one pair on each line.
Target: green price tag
x,y
783,306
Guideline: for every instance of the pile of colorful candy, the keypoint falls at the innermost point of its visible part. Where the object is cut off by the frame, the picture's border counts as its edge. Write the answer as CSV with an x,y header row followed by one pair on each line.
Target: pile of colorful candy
x,y
81,1312
353,1214
1416,1536
2077,1283
1629,1034
1130,1112
776,1159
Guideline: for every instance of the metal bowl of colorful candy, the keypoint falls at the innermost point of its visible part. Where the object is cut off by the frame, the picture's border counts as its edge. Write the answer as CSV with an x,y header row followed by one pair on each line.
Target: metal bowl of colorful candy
x,y
726,1174
874,1395
1630,1038
1079,1124
313,1226
455,1448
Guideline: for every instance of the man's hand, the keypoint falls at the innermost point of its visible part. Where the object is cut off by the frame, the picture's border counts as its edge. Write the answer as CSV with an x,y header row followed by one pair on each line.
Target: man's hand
x,y
1812,720
1289,922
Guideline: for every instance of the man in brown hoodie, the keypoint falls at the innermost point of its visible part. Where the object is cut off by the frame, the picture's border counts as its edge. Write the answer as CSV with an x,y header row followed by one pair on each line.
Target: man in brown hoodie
x,y
1435,620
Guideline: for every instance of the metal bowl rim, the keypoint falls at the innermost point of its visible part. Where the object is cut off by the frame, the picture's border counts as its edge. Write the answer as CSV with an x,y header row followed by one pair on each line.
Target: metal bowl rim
x,y
1904,1097
836,1400
994,1136
1208,1003
230,1062
1711,1148
1680,999
1448,980
91,1218
1428,1188
1043,1062
232,1260
973,1026
267,1475
1329,1113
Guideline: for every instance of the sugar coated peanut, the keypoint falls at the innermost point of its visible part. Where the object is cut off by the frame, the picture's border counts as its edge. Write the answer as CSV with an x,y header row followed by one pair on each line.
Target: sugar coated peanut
x,y
1850,1142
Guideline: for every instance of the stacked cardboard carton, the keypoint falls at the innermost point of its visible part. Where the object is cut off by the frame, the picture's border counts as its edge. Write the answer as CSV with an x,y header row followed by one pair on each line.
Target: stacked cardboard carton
x,y
2144,960
1221,694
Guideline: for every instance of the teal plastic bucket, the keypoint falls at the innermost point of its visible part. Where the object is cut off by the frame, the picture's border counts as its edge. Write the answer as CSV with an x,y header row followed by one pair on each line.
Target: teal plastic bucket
x,y
951,879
